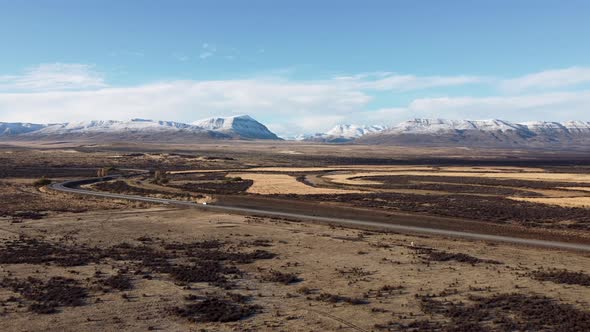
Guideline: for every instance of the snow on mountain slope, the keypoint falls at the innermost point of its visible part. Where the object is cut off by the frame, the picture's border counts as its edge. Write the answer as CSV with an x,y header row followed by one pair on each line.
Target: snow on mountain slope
x,y
577,127
432,126
491,133
232,127
532,128
353,131
342,133
113,126
242,125
17,128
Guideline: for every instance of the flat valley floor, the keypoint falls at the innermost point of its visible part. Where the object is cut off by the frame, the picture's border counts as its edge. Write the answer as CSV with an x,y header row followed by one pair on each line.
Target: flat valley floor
x,y
274,275
78,263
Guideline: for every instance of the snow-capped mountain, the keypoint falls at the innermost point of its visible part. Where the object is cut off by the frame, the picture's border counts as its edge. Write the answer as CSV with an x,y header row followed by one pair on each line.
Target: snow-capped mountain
x,y
354,131
113,126
343,133
492,133
299,137
240,127
432,126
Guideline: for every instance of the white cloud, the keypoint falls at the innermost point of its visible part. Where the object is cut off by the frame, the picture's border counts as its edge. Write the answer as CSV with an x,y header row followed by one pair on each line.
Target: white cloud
x,y
207,51
556,106
54,76
181,57
185,101
68,92
383,81
307,123
205,55
127,53
548,79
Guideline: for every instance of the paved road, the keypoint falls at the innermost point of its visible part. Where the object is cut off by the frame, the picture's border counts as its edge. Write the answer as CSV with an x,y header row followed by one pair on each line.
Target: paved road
x,y
72,187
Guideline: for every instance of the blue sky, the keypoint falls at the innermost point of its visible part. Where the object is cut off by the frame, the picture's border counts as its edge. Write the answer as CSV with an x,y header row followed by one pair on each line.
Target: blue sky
x,y
298,66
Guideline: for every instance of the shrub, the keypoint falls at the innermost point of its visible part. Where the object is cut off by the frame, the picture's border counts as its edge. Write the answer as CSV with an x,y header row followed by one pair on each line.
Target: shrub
x,y
42,182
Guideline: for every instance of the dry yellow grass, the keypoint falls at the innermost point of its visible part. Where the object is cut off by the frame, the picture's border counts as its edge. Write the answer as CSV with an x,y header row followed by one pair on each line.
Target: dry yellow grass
x,y
342,168
293,169
579,202
576,188
315,253
495,169
377,168
269,184
347,178
198,171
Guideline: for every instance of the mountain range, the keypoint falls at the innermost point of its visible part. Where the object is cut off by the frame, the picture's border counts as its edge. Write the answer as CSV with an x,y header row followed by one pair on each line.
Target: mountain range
x,y
342,133
471,133
234,127
418,132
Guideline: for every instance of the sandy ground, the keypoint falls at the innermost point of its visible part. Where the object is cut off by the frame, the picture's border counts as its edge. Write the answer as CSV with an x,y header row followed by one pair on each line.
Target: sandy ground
x,y
328,260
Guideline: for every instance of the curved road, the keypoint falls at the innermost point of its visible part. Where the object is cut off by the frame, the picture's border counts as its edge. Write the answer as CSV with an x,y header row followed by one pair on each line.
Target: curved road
x,y
72,187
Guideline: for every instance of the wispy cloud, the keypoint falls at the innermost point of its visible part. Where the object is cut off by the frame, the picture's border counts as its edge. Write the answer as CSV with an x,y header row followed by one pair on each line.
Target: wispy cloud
x,y
383,81
207,51
127,53
548,79
54,77
181,57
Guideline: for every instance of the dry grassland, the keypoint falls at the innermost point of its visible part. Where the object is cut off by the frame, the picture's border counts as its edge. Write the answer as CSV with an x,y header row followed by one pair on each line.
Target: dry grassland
x,y
340,168
495,169
576,188
375,278
198,171
582,202
281,184
350,178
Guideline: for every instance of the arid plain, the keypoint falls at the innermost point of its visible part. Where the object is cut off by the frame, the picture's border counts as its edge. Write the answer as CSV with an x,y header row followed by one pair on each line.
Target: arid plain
x,y
110,264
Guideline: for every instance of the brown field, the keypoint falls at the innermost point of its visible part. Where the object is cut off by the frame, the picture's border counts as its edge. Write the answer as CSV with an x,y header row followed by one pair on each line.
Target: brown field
x,y
344,279
582,202
76,263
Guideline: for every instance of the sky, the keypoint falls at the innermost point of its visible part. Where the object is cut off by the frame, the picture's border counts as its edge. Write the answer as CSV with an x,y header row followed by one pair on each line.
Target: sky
x,y
297,66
